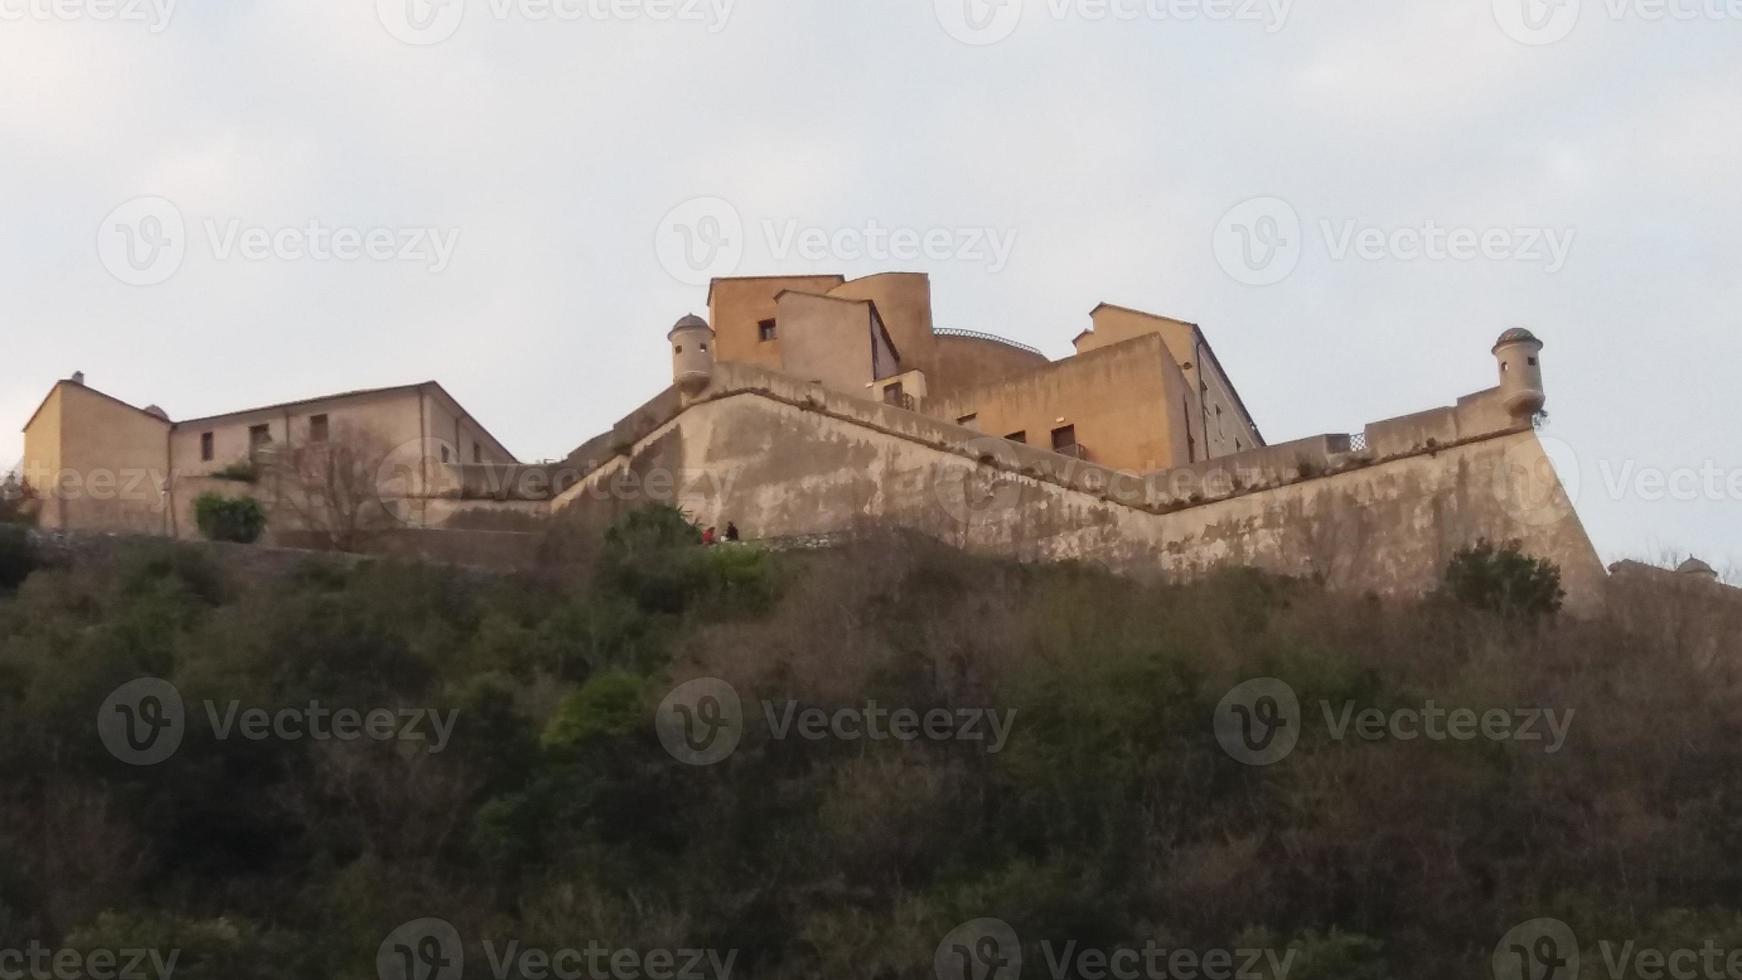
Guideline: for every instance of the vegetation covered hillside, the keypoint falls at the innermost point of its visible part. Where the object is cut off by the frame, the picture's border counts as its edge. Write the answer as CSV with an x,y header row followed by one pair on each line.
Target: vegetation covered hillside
x,y
562,771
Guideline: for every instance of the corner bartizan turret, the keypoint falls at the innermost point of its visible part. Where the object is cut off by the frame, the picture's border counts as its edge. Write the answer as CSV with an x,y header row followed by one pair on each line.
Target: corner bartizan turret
x,y
1520,357
692,353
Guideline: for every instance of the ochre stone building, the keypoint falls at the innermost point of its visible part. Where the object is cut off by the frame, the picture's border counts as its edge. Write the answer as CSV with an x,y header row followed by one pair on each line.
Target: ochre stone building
x,y
1142,392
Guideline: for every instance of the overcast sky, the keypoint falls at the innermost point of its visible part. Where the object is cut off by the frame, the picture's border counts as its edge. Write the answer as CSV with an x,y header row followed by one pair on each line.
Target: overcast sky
x,y
222,203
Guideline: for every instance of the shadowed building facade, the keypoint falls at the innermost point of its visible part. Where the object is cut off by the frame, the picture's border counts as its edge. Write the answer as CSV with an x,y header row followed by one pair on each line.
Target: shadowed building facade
x,y
1142,392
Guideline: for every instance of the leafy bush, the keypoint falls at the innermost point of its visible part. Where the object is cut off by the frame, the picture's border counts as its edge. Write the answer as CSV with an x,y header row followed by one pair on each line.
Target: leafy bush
x,y
241,472
236,519
654,527
17,556
1504,580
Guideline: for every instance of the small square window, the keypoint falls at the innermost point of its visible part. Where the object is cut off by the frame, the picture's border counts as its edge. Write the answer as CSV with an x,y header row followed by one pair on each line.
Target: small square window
x,y
1064,439
317,428
1532,360
207,451
680,348
1020,436
259,435
765,330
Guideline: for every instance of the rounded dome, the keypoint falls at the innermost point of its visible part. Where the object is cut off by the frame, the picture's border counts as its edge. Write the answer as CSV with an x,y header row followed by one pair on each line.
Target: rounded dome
x,y
690,322
1516,335
157,412
1694,566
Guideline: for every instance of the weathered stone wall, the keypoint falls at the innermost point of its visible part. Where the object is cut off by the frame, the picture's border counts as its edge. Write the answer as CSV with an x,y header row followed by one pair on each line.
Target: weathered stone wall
x,y
783,459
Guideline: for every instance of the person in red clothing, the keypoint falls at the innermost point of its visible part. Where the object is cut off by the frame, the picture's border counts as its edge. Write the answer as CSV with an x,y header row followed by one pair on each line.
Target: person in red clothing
x,y
708,537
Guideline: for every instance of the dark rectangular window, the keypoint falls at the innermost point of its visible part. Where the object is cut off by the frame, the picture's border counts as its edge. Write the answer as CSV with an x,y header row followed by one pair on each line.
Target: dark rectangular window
x,y
1064,439
207,451
1019,436
892,394
765,330
477,453
259,435
970,420
445,454
317,428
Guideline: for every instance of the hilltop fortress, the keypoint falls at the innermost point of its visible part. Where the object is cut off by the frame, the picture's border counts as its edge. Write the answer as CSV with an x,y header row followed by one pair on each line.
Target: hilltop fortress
x,y
814,405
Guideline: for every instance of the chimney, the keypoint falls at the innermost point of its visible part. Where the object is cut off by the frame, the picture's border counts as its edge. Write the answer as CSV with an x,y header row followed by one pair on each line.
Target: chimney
x,y
78,377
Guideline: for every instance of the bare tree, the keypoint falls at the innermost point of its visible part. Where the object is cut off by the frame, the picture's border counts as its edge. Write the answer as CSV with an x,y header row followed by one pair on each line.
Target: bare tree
x,y
333,487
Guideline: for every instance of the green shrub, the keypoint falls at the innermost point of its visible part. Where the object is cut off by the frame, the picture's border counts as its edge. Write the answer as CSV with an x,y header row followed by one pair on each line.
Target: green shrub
x,y
1504,580
654,527
17,556
236,519
240,472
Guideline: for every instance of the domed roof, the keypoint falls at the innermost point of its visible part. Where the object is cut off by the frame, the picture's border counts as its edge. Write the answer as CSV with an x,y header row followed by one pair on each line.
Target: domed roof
x,y
690,322
1694,566
1516,335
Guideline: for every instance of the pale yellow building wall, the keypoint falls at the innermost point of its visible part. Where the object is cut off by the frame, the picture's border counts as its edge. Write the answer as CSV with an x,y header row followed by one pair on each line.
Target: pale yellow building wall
x,y
736,308
42,457
967,362
1219,425
390,417
1127,403
114,462
826,340
450,425
904,301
